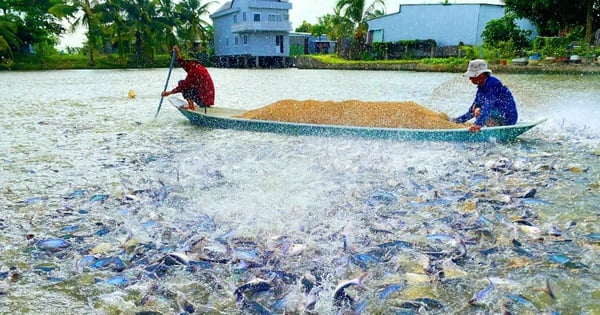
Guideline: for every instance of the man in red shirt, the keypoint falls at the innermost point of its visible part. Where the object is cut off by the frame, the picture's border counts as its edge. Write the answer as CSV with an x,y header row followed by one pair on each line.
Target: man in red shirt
x,y
197,87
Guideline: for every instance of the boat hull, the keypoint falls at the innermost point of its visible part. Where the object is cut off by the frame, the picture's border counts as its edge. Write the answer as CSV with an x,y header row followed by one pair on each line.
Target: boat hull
x,y
224,118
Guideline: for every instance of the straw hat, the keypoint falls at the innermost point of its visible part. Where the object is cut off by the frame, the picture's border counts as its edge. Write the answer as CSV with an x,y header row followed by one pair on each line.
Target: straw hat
x,y
476,67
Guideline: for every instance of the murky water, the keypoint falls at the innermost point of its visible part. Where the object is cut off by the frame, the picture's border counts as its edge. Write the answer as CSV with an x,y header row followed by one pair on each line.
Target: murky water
x,y
96,195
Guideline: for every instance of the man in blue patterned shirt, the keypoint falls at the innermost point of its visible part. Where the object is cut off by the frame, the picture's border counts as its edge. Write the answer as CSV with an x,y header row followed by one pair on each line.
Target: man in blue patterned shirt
x,y
494,105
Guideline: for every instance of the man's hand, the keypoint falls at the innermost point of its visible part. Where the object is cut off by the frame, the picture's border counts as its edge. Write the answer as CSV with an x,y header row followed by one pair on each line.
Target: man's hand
x,y
475,128
165,93
177,52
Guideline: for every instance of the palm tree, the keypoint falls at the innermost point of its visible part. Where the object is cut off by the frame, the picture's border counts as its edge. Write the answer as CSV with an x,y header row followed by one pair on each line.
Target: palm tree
x,y
143,26
193,27
357,12
8,35
168,18
89,20
340,26
112,17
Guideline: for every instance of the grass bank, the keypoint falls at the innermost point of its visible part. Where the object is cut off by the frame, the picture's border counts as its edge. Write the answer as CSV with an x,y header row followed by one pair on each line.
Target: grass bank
x,y
456,65
79,61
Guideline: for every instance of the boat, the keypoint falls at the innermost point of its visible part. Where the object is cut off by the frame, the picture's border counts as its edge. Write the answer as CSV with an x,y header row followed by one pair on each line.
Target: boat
x,y
228,118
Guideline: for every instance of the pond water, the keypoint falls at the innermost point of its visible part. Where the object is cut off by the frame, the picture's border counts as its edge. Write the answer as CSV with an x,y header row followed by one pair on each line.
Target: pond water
x,y
107,210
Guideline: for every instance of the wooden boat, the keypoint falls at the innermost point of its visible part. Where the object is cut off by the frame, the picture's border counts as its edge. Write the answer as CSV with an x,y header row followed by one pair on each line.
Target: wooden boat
x,y
228,118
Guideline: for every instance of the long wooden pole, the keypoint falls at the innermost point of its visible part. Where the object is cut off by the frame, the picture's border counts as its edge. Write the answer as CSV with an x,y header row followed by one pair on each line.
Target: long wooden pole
x,y
166,83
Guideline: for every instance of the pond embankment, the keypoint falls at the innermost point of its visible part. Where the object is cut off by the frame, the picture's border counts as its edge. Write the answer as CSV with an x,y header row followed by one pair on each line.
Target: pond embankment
x,y
307,62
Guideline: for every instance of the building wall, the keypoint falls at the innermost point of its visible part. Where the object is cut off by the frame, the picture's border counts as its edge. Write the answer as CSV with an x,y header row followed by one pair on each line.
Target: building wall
x,y
236,32
448,25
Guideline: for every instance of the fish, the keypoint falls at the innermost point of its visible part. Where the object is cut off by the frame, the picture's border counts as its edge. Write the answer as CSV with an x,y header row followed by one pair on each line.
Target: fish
x,y
480,295
175,258
162,193
116,281
310,300
53,244
520,299
430,303
295,249
392,288
252,286
362,260
254,307
340,297
99,198
549,291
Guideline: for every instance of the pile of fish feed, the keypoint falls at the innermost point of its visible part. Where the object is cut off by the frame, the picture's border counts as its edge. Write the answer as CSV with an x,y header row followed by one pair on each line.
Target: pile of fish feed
x,y
354,113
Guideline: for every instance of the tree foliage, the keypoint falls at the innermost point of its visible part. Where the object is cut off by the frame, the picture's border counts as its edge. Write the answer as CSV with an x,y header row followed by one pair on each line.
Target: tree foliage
x,y
505,29
554,16
138,29
353,14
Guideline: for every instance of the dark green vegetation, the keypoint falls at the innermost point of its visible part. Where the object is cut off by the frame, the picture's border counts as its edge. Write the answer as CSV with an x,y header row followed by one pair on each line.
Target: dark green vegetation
x,y
140,33
566,28
119,33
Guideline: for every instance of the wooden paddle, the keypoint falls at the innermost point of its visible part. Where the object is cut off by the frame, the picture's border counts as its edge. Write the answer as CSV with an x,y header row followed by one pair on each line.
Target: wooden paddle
x,y
166,83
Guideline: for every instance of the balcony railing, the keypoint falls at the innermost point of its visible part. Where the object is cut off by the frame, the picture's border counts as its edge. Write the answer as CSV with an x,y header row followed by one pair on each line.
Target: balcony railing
x,y
261,4
281,26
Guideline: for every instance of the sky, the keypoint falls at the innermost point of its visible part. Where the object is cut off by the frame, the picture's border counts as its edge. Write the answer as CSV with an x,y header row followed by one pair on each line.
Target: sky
x,y
302,10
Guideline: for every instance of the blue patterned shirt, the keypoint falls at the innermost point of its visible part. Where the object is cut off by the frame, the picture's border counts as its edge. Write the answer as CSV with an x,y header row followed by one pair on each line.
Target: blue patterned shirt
x,y
496,103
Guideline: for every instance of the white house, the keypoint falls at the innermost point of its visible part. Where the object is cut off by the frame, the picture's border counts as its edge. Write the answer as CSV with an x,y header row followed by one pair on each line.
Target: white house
x,y
252,33
447,24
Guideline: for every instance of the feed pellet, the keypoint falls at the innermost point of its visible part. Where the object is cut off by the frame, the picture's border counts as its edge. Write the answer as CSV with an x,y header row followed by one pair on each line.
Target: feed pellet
x,y
354,113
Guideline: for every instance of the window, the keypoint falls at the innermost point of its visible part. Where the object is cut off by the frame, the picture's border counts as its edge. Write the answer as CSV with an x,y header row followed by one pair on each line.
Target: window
x,y
376,36
256,17
245,39
243,16
235,19
274,18
236,41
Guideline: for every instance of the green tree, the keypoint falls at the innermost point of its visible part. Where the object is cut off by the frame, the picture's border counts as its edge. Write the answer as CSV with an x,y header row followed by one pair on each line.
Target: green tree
x,y
305,27
168,18
114,26
144,26
84,16
193,26
553,16
505,29
8,36
37,21
357,12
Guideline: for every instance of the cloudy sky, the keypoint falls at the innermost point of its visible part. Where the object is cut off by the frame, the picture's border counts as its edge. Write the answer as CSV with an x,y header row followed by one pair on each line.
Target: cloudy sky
x,y
302,10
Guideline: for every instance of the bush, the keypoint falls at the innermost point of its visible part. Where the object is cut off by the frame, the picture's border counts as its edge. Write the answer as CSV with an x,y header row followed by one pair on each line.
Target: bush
x,y
551,46
504,30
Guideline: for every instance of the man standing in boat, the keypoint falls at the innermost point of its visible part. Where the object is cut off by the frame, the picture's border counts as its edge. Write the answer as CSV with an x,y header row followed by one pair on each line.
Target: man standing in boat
x,y
494,104
197,87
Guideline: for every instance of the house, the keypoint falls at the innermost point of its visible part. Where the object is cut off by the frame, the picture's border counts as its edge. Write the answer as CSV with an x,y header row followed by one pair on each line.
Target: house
x,y
252,33
305,43
446,24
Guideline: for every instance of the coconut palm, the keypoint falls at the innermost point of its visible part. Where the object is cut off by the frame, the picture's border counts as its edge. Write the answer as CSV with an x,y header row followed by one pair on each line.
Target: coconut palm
x,y
8,35
144,27
357,12
112,18
168,18
88,19
193,27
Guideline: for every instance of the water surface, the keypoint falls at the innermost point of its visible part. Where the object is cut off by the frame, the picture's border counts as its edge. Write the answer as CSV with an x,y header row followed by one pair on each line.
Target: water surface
x,y
84,163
